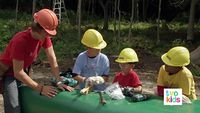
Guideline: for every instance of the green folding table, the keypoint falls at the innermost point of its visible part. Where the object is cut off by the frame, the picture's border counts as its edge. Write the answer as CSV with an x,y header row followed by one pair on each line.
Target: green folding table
x,y
74,102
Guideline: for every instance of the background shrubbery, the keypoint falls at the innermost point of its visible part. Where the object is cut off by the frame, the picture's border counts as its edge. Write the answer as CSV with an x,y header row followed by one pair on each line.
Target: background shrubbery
x,y
67,42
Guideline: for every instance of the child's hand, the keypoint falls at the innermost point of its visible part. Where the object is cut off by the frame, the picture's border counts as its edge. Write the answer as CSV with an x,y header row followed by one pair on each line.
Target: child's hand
x,y
95,80
186,100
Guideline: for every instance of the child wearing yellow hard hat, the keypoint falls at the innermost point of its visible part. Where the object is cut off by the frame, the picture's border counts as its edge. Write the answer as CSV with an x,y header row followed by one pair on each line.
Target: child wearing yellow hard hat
x,y
174,74
92,66
128,77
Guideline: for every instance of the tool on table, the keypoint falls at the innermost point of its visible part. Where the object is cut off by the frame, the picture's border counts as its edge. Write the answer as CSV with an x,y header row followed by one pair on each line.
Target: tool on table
x,y
134,97
90,82
85,90
101,99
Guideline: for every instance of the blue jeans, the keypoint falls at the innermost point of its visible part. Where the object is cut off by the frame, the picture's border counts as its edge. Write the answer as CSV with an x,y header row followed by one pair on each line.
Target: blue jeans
x,y
11,95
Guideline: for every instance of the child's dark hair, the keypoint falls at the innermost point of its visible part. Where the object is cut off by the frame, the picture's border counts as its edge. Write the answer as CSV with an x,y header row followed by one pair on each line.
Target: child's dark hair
x,y
36,27
131,62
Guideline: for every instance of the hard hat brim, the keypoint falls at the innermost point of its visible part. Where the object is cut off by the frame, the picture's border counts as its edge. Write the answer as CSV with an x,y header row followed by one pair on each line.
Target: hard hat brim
x,y
100,46
51,32
166,60
123,61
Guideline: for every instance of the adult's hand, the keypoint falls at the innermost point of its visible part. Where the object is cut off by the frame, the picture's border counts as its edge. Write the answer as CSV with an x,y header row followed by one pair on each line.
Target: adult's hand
x,y
63,87
48,91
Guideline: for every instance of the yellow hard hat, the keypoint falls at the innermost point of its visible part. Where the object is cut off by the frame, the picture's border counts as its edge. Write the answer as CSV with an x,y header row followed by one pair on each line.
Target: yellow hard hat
x,y
127,55
92,38
177,56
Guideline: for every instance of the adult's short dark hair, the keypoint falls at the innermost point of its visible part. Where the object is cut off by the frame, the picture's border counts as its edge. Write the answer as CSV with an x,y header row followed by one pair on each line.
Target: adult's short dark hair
x,y
36,27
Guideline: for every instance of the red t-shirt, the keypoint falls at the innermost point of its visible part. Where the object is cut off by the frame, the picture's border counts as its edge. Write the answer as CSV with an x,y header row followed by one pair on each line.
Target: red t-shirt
x,y
131,80
24,47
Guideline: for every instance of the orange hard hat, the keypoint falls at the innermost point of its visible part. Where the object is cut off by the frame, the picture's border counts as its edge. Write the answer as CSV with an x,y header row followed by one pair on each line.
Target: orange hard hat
x,y
47,19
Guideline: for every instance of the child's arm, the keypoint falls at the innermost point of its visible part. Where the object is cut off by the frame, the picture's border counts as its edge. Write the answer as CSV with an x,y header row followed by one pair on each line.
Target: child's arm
x,y
106,78
160,90
160,82
79,78
138,89
137,84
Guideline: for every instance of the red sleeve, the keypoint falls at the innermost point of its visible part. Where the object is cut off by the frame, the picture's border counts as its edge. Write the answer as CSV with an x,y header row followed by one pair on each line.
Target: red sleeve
x,y
17,50
136,80
160,90
47,43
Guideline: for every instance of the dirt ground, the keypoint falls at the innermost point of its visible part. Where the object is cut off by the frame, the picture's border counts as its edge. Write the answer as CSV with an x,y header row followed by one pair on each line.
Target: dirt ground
x,y
147,69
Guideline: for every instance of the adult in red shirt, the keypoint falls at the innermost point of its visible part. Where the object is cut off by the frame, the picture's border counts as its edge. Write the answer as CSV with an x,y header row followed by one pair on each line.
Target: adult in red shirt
x,y
20,53
127,77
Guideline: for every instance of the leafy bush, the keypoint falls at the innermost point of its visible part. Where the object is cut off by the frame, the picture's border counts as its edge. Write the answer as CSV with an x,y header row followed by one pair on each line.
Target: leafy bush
x,y
178,42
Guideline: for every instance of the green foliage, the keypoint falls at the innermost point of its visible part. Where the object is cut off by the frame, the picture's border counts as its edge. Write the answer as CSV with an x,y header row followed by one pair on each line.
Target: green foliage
x,y
67,43
7,14
177,26
8,28
178,42
161,48
181,17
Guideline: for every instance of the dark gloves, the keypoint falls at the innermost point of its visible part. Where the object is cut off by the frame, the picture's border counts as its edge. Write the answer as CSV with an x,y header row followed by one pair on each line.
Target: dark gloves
x,y
67,79
139,97
134,97
128,91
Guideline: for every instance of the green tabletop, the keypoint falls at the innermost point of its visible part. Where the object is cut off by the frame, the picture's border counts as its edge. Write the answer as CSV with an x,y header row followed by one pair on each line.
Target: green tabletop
x,y
74,102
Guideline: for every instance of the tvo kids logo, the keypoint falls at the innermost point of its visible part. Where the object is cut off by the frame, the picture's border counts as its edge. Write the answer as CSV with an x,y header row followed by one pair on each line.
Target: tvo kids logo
x,y
173,96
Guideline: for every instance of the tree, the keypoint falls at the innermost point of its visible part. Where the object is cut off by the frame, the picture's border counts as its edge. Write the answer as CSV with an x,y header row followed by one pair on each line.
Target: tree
x,y
115,11
131,20
158,22
119,18
34,6
190,29
91,7
79,17
16,13
144,9
104,4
